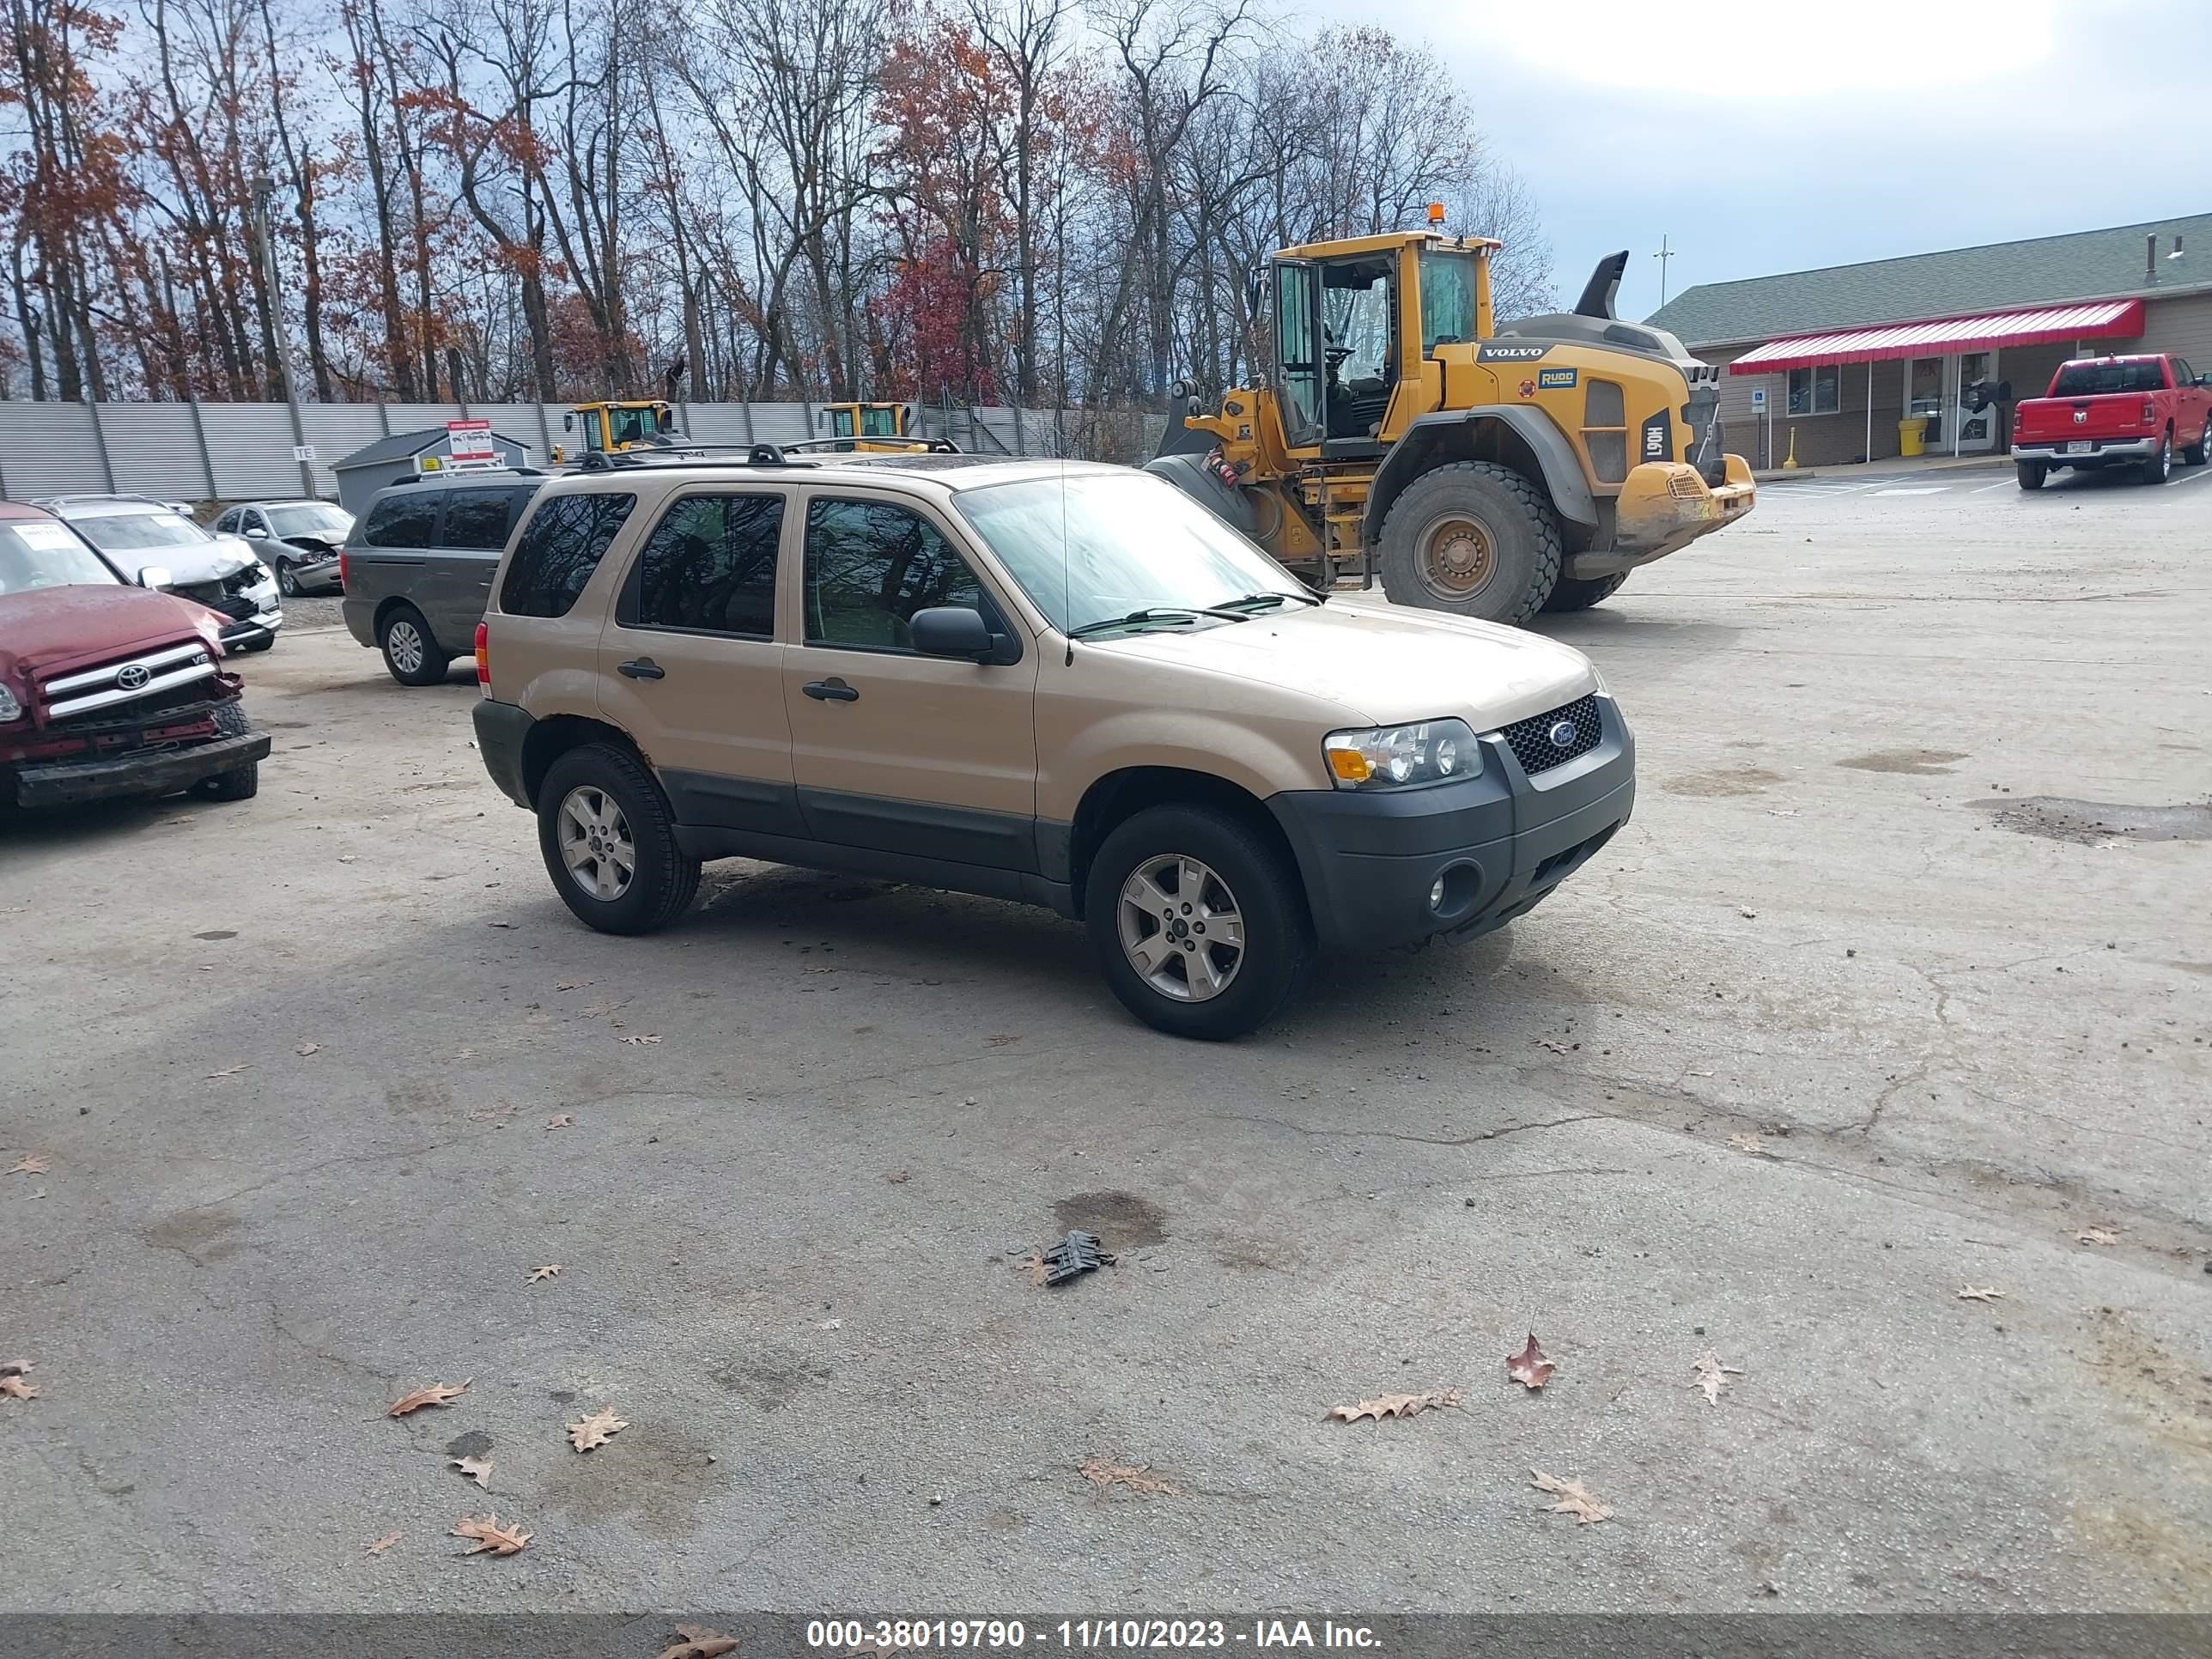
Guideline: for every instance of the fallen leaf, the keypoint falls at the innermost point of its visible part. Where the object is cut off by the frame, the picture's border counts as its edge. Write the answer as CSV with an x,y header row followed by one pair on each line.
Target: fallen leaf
x,y
1747,1143
489,1536
477,1469
896,1177
1529,1367
562,1121
572,985
347,858
13,1385
1748,915
1105,1472
697,1642
639,1041
384,1543
1394,1405
551,1270
1979,1293
306,1048
831,1325
1556,1048
1036,1268
1575,1498
228,1071
2096,1236
999,1039
496,924
30,1164
1712,1375
601,1426
437,1394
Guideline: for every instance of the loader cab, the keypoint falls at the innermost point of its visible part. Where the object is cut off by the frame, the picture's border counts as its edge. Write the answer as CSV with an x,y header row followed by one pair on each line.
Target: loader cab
x,y
860,422
615,426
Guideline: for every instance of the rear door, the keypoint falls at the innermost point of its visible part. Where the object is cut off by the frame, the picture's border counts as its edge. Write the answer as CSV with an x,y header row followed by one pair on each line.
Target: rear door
x,y
2192,403
689,664
461,566
390,553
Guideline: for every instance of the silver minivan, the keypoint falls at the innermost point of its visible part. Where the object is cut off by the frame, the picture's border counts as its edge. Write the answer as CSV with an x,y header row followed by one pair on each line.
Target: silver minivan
x,y
418,566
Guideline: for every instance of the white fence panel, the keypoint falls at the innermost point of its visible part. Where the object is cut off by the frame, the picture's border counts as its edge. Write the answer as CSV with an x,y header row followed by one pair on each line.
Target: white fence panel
x,y
50,449
336,430
154,451
250,450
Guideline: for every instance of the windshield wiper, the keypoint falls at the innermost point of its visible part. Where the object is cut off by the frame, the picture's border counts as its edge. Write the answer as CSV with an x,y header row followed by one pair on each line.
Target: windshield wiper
x,y
1258,601
1174,613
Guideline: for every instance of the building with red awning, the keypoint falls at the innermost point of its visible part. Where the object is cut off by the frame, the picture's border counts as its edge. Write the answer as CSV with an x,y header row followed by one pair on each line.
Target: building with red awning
x,y
1836,361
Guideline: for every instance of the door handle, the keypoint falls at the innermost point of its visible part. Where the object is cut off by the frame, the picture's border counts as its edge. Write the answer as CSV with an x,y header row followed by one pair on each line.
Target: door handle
x,y
644,668
832,689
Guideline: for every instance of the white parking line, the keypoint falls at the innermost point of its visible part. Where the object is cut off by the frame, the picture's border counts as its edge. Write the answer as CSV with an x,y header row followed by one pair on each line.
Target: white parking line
x,y
1916,490
2009,483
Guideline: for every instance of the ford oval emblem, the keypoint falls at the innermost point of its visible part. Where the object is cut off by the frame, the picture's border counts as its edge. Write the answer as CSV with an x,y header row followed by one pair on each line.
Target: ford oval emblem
x,y
1562,734
133,676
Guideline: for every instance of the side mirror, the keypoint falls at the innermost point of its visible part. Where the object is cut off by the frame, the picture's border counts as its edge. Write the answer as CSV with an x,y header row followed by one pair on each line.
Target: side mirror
x,y
155,575
1256,291
569,423
257,533
950,630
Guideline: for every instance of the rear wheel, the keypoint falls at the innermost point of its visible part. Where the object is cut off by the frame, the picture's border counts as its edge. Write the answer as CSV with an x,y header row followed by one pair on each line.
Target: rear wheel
x,y
411,654
1199,926
1569,593
1473,538
2200,452
609,841
2160,467
2031,473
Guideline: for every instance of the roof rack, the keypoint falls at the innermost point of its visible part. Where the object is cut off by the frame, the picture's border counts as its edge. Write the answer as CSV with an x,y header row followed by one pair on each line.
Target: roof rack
x,y
754,454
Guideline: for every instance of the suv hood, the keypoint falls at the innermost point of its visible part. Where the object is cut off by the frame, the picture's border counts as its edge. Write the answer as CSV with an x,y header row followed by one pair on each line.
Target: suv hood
x,y
1388,663
51,628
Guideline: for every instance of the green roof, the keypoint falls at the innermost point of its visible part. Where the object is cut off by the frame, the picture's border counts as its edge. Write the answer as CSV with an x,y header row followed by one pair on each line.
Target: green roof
x,y
2089,264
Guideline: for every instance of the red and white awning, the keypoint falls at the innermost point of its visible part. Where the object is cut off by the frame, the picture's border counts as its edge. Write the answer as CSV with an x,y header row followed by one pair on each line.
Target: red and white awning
x,y
2107,319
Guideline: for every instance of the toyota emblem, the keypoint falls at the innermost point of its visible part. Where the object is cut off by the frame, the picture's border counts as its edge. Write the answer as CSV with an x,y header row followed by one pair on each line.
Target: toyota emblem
x,y
133,676
1562,734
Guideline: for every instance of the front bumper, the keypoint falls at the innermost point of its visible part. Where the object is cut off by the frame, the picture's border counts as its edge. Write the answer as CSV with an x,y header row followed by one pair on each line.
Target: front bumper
x,y
2101,449
1500,840
1662,507
241,631
133,772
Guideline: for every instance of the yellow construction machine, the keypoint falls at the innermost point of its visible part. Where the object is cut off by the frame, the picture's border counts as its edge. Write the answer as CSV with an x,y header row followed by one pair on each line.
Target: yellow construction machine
x,y
612,426
1489,470
860,422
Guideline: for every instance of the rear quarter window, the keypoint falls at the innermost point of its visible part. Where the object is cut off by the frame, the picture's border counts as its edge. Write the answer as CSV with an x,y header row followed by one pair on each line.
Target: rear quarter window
x,y
405,520
560,547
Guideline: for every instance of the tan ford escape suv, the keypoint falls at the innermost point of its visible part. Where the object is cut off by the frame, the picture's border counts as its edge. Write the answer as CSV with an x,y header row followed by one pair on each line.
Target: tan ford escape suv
x,y
1064,685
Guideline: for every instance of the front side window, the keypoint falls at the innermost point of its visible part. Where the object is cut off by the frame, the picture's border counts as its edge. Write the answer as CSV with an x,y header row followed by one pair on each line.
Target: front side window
x,y
1447,299
560,547
34,554
840,422
870,565
633,425
878,423
709,565
133,532
476,519
228,522
403,520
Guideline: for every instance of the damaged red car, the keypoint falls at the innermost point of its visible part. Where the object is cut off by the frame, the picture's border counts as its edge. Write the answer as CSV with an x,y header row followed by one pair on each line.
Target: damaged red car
x,y
108,689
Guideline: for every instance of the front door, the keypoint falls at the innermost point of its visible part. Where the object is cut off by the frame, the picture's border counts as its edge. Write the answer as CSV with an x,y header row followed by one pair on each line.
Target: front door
x,y
688,662
893,750
1298,354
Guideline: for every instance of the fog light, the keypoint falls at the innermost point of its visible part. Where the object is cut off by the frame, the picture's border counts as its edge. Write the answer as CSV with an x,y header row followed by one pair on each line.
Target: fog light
x,y
1437,895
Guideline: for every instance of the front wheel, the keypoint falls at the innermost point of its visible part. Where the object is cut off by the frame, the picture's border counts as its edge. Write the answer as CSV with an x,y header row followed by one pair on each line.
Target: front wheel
x,y
288,579
1572,593
240,783
1473,538
2031,474
2200,452
410,652
609,841
1198,922
2160,467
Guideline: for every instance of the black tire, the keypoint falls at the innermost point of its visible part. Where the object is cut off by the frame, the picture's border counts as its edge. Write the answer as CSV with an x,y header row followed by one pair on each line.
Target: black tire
x,y
664,879
266,644
430,662
2160,467
240,782
288,579
1572,593
1519,535
2031,474
2200,452
1261,887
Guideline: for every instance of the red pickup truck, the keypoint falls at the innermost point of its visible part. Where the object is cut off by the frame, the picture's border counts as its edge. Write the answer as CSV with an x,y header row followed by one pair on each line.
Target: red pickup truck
x,y
2115,411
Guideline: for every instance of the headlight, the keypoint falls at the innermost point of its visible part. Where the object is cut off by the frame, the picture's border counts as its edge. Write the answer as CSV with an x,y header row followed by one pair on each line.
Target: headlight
x,y
1398,757
9,709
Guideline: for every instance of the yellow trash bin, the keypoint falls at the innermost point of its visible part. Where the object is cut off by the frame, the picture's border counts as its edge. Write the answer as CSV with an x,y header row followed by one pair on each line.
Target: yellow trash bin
x,y
1912,436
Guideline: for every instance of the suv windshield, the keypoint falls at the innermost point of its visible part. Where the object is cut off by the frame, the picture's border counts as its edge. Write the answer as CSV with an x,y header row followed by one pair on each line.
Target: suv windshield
x,y
1100,545
2097,379
35,554
128,532
319,518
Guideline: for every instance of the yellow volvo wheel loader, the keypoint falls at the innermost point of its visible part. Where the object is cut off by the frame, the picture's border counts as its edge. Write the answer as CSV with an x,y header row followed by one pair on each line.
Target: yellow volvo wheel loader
x,y
1490,470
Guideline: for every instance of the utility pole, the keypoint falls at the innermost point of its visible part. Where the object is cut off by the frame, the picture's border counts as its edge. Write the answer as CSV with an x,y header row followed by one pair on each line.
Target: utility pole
x,y
264,190
1664,255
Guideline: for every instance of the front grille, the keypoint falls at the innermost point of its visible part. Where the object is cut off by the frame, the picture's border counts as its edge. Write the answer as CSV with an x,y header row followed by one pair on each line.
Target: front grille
x,y
1531,741
209,594
146,705
239,581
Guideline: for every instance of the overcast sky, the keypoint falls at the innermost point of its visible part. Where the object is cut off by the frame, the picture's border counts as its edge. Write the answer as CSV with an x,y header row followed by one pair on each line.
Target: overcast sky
x,y
1763,136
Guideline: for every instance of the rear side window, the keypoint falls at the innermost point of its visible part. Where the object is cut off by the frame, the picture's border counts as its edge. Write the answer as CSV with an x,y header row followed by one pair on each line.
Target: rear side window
x,y
561,546
710,565
402,521
870,565
478,519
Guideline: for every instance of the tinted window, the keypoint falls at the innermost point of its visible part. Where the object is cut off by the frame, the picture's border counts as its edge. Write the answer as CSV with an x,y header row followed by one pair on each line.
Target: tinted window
x,y
402,521
2101,379
709,563
228,522
478,518
561,546
870,566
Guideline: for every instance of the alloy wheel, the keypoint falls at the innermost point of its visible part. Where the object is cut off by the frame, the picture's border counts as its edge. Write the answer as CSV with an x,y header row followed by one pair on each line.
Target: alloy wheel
x,y
288,580
596,844
1180,928
405,642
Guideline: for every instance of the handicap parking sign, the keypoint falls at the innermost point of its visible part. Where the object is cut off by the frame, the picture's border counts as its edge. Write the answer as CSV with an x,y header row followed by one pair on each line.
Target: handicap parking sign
x,y
1758,396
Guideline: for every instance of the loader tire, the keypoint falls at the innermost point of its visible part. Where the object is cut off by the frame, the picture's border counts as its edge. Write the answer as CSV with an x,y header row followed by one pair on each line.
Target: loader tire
x,y
1474,539
1570,594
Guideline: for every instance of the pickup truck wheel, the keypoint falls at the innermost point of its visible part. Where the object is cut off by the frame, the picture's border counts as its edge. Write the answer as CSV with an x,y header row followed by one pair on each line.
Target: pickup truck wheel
x,y
411,654
609,840
2200,452
2160,467
1199,925
1570,594
1473,538
240,782
2031,473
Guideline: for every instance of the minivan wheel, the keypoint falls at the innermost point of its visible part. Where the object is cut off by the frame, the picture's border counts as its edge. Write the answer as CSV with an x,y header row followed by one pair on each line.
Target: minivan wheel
x,y
609,841
411,654
1199,925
